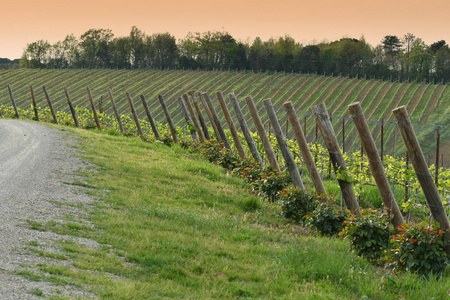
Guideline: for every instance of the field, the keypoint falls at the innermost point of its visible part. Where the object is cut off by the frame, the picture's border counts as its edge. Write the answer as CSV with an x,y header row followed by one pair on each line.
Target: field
x,y
426,103
162,236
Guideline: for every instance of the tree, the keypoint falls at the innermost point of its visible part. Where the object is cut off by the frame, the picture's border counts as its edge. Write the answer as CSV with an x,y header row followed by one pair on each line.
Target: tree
x,y
392,47
37,54
137,48
438,45
165,49
307,59
408,39
442,64
120,51
94,45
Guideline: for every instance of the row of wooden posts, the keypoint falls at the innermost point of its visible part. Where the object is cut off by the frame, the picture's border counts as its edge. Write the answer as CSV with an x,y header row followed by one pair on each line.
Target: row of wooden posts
x,y
199,130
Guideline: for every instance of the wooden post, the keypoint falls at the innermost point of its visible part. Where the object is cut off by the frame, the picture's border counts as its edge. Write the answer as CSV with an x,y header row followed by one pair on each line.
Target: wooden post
x,y
422,172
262,134
94,111
169,119
287,154
135,117
188,119
210,116
100,105
188,104
244,127
16,111
304,148
234,134
72,109
436,166
116,112
200,115
375,163
343,135
55,120
327,131
222,135
382,140
150,117
33,103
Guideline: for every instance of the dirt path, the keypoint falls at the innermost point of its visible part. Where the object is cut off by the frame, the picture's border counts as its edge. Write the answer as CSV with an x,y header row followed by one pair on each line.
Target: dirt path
x,y
35,161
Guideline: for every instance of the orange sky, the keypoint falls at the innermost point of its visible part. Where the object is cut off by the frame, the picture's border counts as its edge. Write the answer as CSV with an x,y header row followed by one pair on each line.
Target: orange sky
x,y
25,21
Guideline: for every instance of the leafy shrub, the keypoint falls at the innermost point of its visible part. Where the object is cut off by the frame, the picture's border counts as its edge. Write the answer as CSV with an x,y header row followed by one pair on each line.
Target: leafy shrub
x,y
369,233
270,182
327,218
419,248
296,203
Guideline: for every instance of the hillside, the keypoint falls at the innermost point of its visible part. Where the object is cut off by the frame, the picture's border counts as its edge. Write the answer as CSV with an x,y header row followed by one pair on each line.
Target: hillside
x,y
425,102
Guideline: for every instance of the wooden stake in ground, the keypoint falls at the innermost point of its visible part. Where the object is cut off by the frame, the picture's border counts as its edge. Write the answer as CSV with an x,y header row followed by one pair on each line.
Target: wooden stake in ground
x,y
116,112
304,148
234,134
222,135
244,127
169,119
287,154
187,102
55,120
16,111
210,116
94,111
135,116
192,130
262,134
327,131
150,117
34,105
72,109
375,163
422,172
199,115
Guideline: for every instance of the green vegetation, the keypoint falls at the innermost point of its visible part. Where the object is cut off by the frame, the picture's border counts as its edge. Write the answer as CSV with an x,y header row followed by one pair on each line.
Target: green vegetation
x,y
174,225
426,103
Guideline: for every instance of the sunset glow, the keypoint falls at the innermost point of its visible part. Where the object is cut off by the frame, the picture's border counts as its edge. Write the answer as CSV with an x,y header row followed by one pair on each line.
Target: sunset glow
x,y
25,21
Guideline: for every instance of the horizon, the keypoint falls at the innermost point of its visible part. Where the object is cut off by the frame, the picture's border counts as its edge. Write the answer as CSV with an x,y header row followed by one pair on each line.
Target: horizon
x,y
28,21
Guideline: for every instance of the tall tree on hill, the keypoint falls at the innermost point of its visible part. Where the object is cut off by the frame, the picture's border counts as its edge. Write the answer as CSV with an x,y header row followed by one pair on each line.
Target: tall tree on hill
x,y
442,64
94,45
257,55
392,47
165,50
120,49
137,48
307,59
37,54
285,49
420,60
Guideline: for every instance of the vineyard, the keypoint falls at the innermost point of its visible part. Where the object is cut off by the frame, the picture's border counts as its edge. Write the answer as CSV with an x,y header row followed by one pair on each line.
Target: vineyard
x,y
393,110
427,103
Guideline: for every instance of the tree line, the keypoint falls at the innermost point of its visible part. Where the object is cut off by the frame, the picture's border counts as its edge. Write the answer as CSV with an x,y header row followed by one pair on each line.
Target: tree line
x,y
406,57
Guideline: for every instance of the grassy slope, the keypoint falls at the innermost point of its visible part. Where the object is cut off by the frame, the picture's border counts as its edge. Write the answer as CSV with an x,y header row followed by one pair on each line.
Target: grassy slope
x,y
172,225
303,90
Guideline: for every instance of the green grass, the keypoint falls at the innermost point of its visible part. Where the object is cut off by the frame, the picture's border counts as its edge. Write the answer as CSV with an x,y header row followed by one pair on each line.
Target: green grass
x,y
172,225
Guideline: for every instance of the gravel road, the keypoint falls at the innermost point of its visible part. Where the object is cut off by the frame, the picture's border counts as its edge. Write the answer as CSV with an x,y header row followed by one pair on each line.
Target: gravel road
x,y
37,165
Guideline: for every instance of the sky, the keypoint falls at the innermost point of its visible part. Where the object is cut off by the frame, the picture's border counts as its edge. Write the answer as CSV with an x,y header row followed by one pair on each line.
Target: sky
x,y
307,21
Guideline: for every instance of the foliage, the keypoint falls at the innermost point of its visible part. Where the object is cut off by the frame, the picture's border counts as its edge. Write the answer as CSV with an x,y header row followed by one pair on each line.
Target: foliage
x,y
419,248
328,218
296,204
369,234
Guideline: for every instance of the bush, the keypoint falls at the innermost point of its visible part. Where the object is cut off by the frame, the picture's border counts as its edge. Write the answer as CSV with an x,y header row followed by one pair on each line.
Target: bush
x,y
270,182
419,248
296,203
327,218
369,234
